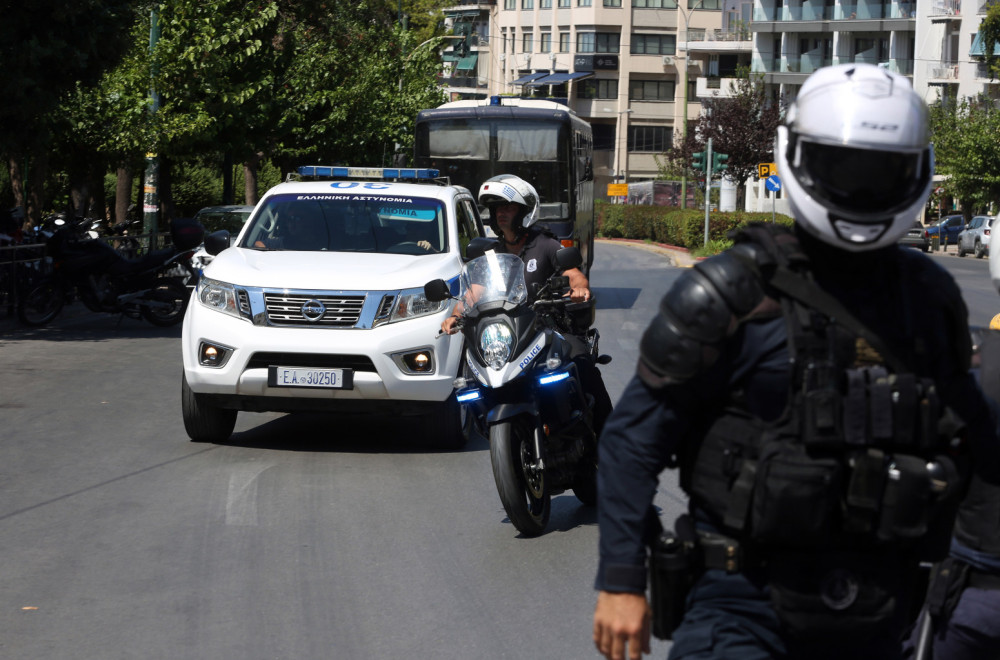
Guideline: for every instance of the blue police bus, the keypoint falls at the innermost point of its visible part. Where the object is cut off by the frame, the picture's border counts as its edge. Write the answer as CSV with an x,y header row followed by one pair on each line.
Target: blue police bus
x,y
543,142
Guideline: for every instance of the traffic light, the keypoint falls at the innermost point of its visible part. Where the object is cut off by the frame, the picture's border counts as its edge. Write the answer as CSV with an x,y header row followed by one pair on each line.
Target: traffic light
x,y
719,162
698,161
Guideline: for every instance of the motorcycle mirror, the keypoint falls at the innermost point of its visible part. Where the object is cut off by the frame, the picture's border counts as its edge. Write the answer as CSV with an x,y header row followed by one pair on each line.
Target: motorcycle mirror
x,y
216,242
569,257
437,290
478,246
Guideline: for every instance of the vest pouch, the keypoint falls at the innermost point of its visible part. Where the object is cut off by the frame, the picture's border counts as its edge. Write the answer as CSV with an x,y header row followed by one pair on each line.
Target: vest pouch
x,y
906,500
823,418
709,476
796,497
674,567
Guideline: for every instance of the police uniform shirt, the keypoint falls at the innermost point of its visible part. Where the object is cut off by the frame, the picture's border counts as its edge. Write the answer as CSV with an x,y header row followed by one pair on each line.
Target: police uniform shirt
x,y
539,257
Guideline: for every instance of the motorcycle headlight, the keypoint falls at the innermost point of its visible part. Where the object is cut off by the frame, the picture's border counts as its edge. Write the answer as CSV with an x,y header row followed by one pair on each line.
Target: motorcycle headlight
x,y
413,303
218,296
496,341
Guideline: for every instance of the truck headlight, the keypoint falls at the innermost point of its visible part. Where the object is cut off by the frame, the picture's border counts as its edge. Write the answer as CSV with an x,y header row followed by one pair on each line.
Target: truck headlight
x,y
218,296
413,303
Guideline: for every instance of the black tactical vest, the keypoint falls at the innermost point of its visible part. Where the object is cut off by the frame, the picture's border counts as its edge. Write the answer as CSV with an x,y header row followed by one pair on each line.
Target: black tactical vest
x,y
864,456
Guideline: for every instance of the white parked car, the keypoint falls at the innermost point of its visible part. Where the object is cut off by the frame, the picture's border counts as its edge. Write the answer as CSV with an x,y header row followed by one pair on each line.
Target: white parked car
x,y
319,304
975,238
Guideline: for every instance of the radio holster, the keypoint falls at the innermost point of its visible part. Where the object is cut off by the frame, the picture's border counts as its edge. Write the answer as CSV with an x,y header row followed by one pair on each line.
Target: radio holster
x,y
675,564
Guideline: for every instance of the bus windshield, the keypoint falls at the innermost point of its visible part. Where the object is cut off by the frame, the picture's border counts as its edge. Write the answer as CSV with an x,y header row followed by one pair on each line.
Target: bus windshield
x,y
473,150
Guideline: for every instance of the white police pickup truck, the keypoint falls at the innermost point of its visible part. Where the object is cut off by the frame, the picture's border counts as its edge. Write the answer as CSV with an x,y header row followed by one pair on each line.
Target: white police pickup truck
x,y
319,304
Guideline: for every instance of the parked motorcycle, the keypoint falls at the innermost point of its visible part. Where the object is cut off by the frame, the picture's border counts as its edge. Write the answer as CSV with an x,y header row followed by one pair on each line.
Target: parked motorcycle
x,y
105,281
523,379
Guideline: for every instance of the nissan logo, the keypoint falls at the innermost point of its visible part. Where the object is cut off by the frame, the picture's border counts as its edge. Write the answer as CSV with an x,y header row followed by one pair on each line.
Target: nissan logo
x,y
313,310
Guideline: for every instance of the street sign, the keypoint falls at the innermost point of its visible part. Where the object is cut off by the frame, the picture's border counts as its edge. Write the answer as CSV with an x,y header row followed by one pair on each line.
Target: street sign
x,y
617,189
773,183
765,170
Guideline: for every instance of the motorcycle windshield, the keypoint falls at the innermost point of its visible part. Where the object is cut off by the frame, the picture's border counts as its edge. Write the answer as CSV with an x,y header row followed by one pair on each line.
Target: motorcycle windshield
x,y
494,278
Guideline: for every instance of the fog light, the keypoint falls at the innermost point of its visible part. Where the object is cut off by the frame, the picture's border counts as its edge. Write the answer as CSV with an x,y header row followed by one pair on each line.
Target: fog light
x,y
420,362
213,355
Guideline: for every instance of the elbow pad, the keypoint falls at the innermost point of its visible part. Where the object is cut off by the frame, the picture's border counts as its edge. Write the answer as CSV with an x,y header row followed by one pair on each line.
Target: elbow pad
x,y
701,309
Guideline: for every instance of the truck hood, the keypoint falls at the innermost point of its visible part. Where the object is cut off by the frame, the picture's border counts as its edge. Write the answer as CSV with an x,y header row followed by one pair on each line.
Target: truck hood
x,y
345,271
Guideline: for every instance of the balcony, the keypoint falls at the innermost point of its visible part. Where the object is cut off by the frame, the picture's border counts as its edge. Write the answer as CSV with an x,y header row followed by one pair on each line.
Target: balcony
x,y
804,63
942,71
945,10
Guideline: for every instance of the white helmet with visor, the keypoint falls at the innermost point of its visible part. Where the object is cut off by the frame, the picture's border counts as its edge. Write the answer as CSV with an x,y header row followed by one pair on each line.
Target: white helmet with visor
x,y
510,189
855,156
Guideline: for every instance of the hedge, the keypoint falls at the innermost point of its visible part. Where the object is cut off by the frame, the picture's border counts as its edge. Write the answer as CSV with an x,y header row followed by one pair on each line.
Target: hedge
x,y
673,226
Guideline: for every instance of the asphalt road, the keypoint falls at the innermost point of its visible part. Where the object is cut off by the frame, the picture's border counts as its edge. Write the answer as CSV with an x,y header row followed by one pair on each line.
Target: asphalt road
x,y
305,536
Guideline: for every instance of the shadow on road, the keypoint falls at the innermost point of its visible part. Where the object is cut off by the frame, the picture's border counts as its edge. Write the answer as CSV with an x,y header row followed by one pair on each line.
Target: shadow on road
x,y
328,432
86,327
615,297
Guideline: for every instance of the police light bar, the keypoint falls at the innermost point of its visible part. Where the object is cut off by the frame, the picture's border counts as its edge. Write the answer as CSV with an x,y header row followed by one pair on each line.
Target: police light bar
x,y
553,378
468,396
368,172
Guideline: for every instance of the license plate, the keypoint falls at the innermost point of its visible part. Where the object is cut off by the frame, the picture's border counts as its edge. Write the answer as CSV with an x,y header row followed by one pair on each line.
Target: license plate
x,y
334,379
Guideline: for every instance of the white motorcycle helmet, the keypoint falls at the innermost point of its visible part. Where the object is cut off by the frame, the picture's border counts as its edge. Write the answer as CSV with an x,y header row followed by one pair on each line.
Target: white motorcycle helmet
x,y
995,273
507,188
855,157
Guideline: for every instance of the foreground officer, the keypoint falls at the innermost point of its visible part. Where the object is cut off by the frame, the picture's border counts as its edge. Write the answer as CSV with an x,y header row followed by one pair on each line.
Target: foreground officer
x,y
812,386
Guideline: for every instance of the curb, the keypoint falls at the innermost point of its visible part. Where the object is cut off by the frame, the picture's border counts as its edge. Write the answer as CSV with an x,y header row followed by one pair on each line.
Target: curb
x,y
680,257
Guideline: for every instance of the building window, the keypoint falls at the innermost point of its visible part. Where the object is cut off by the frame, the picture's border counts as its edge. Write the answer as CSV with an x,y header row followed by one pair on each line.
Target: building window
x,y
654,44
527,42
612,3
583,3
545,4
704,4
510,4
654,4
564,3
527,4
597,42
545,46
563,41
598,89
651,90
650,138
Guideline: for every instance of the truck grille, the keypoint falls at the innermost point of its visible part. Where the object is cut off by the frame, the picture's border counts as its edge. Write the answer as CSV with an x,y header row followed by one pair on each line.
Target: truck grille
x,y
338,311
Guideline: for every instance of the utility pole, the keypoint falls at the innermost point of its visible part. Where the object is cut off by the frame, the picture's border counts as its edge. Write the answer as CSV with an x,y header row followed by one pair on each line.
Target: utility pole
x,y
708,185
150,187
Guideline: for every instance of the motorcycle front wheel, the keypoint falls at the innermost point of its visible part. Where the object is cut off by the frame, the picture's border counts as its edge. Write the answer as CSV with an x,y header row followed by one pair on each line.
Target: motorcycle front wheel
x,y
41,302
523,490
172,298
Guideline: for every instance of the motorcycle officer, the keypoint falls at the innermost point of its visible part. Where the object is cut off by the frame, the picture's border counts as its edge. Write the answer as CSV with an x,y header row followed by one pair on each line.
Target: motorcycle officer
x,y
513,205
783,378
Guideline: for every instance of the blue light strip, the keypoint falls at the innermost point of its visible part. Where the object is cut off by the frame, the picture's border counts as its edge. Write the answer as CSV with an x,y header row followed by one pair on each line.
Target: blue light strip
x,y
468,396
553,378
368,172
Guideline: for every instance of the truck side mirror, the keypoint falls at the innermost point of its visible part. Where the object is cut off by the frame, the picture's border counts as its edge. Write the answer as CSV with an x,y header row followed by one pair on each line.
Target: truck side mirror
x,y
216,242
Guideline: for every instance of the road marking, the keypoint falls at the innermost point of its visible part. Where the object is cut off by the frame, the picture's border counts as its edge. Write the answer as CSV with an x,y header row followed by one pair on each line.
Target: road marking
x,y
241,502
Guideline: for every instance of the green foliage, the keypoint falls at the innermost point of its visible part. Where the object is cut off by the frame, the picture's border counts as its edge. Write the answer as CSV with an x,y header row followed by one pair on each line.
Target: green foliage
x,y
671,225
989,30
713,247
967,151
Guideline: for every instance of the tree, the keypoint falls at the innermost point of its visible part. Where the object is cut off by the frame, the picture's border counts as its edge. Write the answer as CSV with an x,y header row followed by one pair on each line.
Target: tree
x,y
989,31
966,150
47,48
743,126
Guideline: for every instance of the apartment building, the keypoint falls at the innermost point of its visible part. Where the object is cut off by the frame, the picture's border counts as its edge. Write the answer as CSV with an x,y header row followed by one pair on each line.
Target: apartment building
x,y
949,51
632,68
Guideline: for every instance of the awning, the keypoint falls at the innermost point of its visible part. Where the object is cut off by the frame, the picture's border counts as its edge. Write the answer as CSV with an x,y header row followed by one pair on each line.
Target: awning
x,y
557,78
977,47
528,78
467,62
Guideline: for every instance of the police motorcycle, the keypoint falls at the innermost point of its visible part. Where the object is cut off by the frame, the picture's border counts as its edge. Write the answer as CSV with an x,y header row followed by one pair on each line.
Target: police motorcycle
x,y
522,381
105,281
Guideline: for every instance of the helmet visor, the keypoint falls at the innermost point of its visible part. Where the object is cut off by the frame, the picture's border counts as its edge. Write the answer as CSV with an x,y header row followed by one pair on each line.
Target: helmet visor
x,y
862,181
